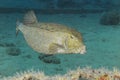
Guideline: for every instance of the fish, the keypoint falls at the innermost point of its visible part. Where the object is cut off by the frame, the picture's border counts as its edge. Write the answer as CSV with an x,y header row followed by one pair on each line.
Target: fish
x,y
50,38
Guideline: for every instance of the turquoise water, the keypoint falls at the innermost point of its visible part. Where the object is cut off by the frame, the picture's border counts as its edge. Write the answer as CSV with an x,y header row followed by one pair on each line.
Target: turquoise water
x,y
102,42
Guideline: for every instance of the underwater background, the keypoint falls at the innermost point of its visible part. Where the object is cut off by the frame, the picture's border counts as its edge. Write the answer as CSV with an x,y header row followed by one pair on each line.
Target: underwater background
x,y
97,21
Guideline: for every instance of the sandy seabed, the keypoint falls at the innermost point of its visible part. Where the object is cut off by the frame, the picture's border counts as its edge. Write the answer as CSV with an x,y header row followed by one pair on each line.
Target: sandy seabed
x,y
102,42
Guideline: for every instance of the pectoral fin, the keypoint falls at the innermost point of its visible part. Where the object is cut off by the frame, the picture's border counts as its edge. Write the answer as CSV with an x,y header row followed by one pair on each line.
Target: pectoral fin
x,y
54,47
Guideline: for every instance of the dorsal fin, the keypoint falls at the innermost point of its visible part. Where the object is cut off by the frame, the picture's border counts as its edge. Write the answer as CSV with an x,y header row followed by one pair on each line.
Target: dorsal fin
x,y
29,18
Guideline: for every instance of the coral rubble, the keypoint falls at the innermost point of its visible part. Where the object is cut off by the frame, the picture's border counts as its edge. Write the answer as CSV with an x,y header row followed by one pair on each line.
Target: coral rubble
x,y
80,74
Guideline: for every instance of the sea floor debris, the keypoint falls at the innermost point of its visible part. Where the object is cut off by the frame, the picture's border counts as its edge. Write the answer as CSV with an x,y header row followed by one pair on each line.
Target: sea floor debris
x,y
79,74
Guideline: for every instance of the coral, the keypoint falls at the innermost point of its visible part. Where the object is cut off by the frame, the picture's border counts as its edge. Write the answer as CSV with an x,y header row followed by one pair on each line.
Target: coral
x,y
80,74
110,18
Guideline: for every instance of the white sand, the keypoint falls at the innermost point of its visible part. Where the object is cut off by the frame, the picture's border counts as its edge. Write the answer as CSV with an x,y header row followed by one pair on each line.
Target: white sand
x,y
103,45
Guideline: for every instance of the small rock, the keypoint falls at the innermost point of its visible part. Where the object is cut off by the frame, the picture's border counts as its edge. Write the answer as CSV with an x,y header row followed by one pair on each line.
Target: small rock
x,y
28,56
30,78
13,51
49,59
110,18
7,45
83,79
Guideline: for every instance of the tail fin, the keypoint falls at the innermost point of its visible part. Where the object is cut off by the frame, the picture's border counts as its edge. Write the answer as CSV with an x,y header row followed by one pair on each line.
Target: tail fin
x,y
29,18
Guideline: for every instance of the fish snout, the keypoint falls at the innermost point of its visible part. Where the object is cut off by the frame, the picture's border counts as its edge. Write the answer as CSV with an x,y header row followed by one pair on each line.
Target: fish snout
x,y
82,50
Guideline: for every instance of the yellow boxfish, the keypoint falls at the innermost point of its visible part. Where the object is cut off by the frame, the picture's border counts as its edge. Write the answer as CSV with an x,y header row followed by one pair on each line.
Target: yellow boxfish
x,y
50,38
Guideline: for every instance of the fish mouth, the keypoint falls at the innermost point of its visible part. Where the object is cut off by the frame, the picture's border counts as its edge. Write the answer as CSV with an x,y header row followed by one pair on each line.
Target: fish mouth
x,y
81,50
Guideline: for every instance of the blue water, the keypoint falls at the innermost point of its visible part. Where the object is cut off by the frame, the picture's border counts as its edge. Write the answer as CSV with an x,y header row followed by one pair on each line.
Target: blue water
x,y
102,41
